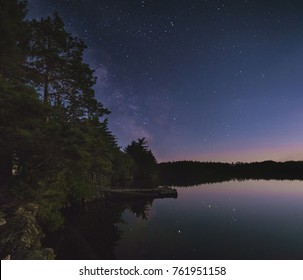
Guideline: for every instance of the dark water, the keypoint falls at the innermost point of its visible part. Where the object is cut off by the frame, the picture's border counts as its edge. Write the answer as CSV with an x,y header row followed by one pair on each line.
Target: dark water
x,y
231,220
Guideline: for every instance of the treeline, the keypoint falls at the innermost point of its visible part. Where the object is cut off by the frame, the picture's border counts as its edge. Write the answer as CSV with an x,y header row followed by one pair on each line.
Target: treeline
x,y
55,145
185,173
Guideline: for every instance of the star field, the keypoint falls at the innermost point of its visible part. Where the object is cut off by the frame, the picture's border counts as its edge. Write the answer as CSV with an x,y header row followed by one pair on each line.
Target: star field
x,y
201,80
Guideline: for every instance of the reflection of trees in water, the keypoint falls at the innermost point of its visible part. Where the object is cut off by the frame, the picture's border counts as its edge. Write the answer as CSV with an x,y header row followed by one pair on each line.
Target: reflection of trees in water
x,y
91,232
140,207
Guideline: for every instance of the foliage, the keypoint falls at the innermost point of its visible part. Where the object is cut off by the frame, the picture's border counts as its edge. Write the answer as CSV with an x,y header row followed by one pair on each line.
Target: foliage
x,y
186,173
50,217
123,177
145,169
56,147
13,34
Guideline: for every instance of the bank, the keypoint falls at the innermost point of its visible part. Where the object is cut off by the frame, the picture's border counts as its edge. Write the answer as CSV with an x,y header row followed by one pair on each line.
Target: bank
x,y
20,234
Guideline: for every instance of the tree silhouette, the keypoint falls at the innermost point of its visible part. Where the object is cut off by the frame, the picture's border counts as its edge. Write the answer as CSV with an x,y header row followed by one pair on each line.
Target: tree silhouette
x,y
145,173
14,94
55,143
56,69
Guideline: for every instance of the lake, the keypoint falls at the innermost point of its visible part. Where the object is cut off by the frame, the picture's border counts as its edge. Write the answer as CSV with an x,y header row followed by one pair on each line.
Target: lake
x,y
230,220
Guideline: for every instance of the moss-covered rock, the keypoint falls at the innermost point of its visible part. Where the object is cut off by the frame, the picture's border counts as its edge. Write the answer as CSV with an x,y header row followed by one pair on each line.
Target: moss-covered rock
x,y
21,236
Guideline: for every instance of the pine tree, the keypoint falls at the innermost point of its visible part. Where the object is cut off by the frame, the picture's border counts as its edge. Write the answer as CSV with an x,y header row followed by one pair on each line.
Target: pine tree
x,y
145,173
12,57
57,70
53,134
13,36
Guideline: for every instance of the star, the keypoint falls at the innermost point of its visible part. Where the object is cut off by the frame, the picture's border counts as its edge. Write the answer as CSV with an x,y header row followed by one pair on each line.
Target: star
x,y
210,51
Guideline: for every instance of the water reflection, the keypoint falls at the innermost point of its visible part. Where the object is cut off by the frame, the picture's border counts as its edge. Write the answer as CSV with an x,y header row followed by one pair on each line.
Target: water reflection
x,y
92,232
230,220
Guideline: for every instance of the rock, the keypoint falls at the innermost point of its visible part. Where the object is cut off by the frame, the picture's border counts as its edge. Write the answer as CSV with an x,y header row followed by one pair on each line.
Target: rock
x,y
8,257
2,221
42,254
21,237
29,209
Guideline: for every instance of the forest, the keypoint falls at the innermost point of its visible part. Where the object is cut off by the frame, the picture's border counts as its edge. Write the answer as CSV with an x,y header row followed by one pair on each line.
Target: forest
x,y
187,173
56,148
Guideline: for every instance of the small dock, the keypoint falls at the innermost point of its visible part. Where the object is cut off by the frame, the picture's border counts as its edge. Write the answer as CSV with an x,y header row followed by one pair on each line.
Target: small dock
x,y
161,192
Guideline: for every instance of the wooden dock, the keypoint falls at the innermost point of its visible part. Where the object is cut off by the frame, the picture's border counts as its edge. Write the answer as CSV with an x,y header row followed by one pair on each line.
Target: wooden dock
x,y
161,192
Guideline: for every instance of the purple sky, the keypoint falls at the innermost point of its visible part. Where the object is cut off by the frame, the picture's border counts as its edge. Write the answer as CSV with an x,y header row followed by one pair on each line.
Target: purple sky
x,y
202,80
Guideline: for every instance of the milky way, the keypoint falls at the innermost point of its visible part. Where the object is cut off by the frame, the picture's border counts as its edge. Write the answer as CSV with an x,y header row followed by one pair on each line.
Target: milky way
x,y
201,80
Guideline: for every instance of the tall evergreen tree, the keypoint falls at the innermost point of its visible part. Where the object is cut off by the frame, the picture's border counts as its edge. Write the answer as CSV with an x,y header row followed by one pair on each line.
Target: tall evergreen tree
x,y
145,173
57,70
13,35
45,78
12,57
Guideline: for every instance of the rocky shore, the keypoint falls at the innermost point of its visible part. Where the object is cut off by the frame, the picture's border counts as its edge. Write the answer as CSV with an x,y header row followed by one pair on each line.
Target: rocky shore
x,y
20,235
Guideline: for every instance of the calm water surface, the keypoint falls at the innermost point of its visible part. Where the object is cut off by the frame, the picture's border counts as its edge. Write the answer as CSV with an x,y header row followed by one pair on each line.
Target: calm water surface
x,y
230,220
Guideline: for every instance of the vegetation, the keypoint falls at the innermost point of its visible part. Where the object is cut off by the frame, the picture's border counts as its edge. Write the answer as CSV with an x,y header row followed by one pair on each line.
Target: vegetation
x,y
56,147
145,164
185,173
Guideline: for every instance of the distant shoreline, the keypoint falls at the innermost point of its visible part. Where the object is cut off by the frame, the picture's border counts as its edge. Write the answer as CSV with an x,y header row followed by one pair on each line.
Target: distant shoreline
x,y
194,172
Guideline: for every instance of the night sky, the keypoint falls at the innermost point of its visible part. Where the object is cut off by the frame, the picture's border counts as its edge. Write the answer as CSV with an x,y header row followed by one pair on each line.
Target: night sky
x,y
201,80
